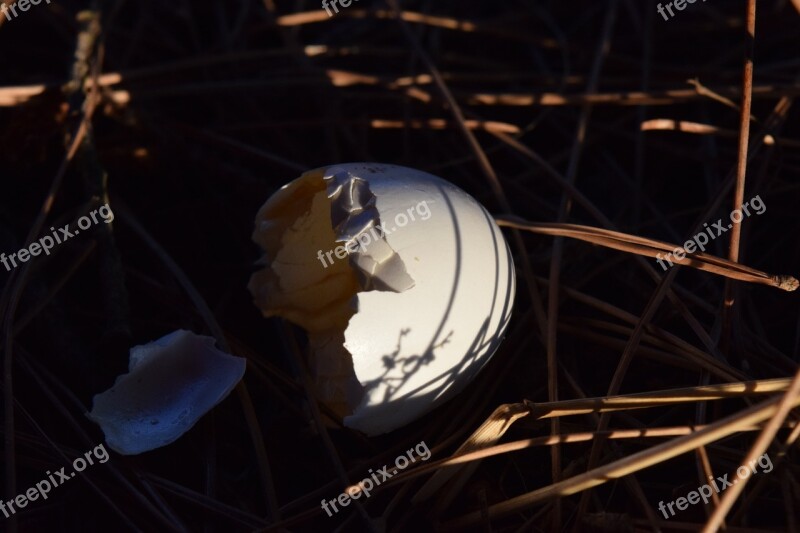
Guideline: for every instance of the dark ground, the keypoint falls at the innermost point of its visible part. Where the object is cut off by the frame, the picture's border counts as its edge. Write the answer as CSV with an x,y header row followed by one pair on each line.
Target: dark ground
x,y
220,103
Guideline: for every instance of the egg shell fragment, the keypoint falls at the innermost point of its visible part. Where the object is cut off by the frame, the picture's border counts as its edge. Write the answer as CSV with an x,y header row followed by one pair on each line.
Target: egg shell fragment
x,y
172,382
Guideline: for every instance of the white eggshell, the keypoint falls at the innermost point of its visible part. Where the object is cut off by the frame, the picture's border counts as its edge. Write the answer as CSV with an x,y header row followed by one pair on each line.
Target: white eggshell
x,y
416,348
171,384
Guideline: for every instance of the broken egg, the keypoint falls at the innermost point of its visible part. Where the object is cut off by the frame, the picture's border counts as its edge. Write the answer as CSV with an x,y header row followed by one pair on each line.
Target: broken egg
x,y
403,282
171,383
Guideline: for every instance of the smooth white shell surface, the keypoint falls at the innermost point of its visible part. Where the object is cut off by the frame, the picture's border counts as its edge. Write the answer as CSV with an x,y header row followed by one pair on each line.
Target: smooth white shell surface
x,y
416,348
172,382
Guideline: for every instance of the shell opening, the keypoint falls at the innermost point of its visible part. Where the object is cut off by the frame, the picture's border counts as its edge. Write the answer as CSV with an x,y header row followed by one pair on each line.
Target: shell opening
x,y
323,244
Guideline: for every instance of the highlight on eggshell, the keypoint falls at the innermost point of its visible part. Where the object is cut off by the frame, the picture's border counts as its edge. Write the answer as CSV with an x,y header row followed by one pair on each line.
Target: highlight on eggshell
x,y
171,383
397,323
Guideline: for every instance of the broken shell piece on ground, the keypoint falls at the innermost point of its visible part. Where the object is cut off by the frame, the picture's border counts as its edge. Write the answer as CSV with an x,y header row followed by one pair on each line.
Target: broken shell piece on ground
x,y
403,282
171,383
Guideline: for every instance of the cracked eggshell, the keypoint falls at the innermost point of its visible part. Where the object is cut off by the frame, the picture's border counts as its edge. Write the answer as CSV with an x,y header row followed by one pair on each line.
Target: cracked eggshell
x,y
435,287
171,383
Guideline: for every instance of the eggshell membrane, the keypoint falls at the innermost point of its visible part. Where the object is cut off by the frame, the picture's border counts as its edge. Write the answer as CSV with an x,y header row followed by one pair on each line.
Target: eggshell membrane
x,y
290,227
414,349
